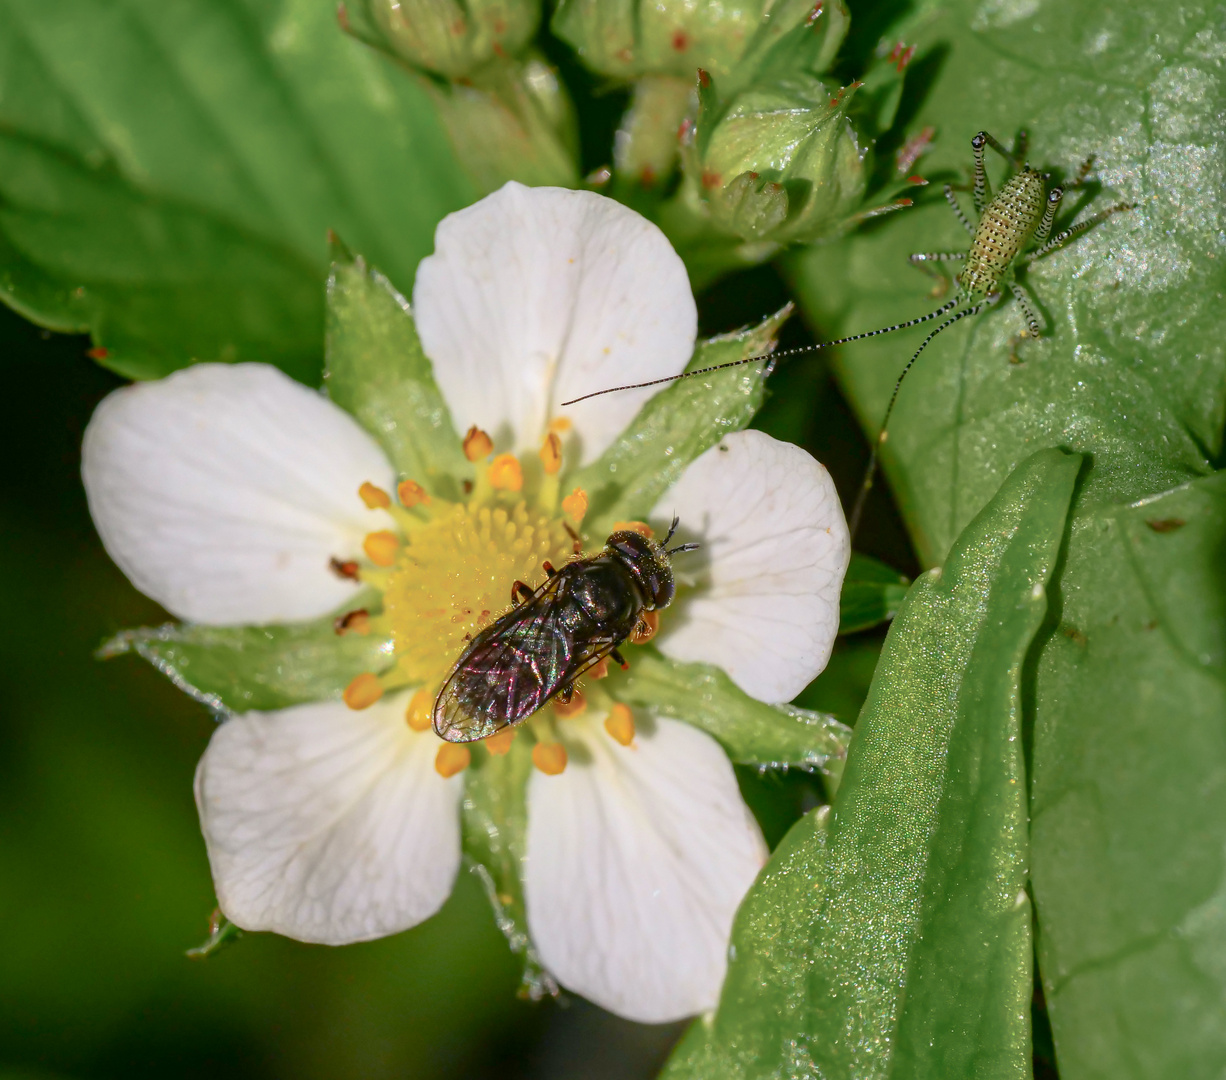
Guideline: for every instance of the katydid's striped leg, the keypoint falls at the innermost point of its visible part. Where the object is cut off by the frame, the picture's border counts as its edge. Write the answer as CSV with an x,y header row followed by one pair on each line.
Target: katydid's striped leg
x,y
952,199
921,259
1023,301
981,191
1060,239
1049,214
1082,173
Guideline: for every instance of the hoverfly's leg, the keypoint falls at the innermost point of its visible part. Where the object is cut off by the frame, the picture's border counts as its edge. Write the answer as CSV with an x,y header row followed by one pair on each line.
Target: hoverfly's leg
x,y
619,659
920,259
564,695
578,549
952,199
1049,214
1023,301
548,567
520,592
1060,239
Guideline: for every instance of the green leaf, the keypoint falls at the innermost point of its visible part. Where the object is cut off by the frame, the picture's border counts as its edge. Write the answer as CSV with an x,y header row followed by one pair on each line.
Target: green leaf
x,y
168,173
255,667
495,822
894,940
676,426
871,594
378,372
752,732
1128,843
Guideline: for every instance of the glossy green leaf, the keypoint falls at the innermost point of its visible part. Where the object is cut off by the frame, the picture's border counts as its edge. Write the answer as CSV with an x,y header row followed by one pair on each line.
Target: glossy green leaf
x,y
377,371
894,940
677,425
168,173
1129,838
871,594
753,733
255,667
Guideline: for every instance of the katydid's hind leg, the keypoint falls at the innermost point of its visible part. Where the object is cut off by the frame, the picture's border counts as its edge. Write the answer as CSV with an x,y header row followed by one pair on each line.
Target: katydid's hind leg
x,y
1054,198
952,199
921,259
1033,328
1062,238
981,190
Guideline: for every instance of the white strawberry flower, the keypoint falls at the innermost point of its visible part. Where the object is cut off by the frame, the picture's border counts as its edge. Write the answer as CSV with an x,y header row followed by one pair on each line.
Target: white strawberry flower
x,y
225,493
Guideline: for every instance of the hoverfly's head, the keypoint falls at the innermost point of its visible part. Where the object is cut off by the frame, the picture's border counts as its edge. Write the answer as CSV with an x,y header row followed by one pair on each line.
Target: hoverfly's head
x,y
649,562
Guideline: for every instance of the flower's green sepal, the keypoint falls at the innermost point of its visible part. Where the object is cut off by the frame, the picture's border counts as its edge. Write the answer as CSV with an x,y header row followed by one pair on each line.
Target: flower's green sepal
x,y
512,120
241,668
495,823
222,933
871,594
451,38
377,371
752,732
677,425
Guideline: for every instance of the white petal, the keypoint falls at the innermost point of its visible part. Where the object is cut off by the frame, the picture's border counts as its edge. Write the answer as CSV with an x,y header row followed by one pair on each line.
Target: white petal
x,y
776,548
326,824
637,859
223,490
537,295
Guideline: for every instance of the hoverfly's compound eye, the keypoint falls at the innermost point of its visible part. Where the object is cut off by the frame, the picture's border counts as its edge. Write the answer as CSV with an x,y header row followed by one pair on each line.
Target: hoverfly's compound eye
x,y
647,561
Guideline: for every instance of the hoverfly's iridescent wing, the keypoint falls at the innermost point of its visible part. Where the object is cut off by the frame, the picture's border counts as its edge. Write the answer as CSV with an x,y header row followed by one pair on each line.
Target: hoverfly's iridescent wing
x,y
515,665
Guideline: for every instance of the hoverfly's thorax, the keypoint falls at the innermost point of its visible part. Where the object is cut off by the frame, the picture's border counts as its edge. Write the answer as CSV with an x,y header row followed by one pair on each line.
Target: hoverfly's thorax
x,y
648,565
1007,224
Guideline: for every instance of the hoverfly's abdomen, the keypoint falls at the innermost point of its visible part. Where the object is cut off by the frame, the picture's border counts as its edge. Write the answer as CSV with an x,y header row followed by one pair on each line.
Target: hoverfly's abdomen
x,y
1007,224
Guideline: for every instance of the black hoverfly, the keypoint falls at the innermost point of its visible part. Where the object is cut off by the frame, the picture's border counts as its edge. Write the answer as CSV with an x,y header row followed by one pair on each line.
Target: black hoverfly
x,y
536,651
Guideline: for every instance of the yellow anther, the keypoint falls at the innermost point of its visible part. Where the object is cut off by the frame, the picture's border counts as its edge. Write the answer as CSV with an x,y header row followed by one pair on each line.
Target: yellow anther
x,y
560,424
550,758
620,724
600,669
375,498
640,527
566,709
381,547
499,744
551,454
477,444
411,493
506,474
417,715
355,622
363,692
648,624
574,506
452,758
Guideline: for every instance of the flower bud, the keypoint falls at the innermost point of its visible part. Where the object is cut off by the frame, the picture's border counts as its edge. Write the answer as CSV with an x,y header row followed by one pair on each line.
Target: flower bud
x,y
782,163
449,37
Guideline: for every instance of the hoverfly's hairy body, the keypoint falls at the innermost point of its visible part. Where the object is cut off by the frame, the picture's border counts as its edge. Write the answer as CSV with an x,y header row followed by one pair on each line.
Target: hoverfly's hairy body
x,y
558,632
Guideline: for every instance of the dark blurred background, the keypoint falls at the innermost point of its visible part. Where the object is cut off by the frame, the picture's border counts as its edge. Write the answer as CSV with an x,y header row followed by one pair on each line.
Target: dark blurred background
x,y
103,878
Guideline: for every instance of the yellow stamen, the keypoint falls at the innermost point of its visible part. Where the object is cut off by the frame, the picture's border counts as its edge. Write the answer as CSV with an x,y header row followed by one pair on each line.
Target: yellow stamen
x,y
640,527
477,444
381,547
355,622
375,498
649,623
576,705
452,758
421,705
560,424
551,454
411,494
363,691
620,724
575,505
600,669
499,744
550,758
506,474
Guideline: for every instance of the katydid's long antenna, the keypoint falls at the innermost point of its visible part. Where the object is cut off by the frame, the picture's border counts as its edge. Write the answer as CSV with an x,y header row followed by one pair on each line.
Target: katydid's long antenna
x,y
770,356
853,523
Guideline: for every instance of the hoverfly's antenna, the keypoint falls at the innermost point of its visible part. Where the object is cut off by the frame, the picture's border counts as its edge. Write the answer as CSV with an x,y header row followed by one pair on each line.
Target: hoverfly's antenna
x,y
770,356
680,547
853,522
